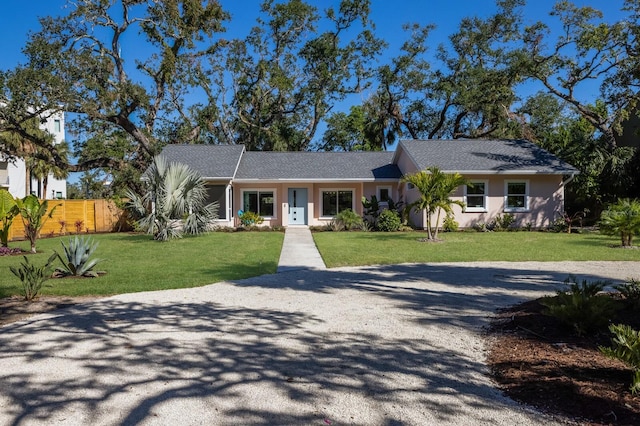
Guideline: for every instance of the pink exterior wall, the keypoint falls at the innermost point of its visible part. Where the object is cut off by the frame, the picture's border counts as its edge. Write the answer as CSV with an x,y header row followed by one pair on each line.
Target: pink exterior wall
x,y
546,200
314,197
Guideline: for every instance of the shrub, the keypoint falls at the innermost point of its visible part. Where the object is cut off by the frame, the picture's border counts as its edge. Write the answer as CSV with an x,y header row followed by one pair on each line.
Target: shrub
x,y
6,251
559,225
631,292
335,225
77,261
626,348
481,227
250,218
503,223
32,277
450,224
349,219
389,221
582,308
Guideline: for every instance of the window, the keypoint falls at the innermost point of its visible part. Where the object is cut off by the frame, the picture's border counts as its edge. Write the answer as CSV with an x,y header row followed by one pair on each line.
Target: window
x,y
383,193
333,202
516,198
259,202
56,126
475,196
59,195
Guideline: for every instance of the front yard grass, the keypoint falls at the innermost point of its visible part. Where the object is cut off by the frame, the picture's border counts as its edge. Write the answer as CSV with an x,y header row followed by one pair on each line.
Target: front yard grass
x,y
379,248
134,262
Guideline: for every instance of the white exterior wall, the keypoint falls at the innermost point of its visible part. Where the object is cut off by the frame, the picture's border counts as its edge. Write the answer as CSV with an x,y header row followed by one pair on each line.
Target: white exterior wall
x,y
16,171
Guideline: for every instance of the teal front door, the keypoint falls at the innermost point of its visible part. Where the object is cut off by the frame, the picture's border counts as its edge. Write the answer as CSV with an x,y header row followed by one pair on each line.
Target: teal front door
x,y
297,206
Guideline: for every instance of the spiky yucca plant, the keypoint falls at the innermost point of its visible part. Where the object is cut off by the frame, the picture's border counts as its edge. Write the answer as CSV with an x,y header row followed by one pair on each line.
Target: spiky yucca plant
x,y
77,258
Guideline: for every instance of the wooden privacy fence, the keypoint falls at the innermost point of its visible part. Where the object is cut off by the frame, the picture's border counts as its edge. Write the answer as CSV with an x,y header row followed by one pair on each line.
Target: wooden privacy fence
x,y
72,216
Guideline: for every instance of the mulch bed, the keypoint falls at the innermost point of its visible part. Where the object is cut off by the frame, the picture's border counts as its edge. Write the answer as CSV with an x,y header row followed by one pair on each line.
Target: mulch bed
x,y
16,308
538,361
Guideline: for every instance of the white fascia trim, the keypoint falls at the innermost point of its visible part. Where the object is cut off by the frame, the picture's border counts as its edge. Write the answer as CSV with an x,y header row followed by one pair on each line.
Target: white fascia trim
x,y
311,180
504,172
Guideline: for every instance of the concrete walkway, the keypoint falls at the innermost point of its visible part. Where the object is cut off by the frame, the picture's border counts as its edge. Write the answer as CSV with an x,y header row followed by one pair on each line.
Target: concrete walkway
x,y
299,251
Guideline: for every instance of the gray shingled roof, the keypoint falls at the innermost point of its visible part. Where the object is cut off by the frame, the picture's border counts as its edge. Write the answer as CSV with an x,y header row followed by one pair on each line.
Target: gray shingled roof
x,y
211,161
317,166
485,156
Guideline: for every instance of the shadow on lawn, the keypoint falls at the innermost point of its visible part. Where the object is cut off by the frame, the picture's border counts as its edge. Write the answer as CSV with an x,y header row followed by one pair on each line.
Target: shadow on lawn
x,y
120,362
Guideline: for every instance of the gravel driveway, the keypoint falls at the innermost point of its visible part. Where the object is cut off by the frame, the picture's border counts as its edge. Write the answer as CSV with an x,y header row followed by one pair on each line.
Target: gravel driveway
x,y
383,345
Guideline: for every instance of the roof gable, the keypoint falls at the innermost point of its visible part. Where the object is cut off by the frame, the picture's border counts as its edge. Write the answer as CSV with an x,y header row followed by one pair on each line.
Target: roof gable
x,y
211,161
484,156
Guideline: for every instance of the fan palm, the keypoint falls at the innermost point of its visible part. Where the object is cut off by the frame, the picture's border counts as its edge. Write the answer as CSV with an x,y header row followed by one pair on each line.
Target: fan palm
x,y
174,201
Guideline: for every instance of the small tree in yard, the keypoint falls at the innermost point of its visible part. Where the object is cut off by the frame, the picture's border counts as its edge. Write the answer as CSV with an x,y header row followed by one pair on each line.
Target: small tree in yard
x,y
8,211
435,189
174,201
34,216
622,218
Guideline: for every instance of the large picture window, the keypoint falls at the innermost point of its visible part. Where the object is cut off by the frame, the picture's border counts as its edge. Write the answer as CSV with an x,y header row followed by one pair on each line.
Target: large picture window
x,y
517,194
259,202
335,201
475,196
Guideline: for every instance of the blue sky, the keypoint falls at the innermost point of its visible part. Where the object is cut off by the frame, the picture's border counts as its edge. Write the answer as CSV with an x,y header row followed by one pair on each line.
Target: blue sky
x,y
20,17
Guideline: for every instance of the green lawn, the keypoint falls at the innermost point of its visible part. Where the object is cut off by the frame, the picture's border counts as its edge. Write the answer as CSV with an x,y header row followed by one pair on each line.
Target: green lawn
x,y
137,263
371,248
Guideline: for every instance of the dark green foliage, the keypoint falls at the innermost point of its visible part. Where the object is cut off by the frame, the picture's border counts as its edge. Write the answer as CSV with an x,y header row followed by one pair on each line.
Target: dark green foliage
x,y
77,258
626,348
388,221
8,211
582,307
503,222
631,292
349,220
32,276
250,219
371,209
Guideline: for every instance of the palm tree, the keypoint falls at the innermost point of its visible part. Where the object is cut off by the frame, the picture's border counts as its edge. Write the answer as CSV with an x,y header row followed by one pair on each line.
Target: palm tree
x,y
174,201
435,189
41,165
622,218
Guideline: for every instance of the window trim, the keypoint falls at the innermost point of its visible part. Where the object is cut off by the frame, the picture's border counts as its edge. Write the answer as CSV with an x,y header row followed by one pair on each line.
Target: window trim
x,y
485,197
321,190
388,188
526,195
259,190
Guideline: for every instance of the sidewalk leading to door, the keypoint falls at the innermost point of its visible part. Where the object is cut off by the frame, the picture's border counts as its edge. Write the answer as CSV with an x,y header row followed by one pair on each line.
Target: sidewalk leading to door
x,y
299,251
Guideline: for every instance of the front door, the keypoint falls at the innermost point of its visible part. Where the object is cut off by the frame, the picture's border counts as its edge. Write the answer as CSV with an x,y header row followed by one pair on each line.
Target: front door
x,y
297,206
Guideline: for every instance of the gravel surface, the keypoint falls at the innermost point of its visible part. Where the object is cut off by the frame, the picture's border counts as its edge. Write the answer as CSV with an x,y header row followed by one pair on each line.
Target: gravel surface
x,y
383,345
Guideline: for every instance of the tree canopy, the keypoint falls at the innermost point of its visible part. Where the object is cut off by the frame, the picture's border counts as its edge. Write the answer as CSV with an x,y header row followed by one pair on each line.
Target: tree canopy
x,y
135,75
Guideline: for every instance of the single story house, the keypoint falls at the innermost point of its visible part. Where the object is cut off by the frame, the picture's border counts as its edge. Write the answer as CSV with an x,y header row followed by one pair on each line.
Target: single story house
x,y
310,188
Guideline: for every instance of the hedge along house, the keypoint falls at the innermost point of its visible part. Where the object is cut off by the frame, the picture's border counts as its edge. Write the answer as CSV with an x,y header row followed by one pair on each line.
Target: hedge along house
x,y
310,188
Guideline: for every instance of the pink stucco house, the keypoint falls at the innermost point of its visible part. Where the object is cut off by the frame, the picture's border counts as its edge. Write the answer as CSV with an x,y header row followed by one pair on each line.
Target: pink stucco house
x,y
310,188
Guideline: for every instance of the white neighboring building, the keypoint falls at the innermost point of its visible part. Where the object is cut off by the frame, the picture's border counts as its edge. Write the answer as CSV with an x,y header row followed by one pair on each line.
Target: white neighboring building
x,y
13,174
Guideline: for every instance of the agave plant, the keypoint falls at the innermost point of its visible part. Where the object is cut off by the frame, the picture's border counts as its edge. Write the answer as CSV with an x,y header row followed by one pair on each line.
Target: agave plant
x,y
77,261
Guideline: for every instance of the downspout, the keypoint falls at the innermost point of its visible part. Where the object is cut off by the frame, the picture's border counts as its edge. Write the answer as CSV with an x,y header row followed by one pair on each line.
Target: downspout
x,y
569,179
